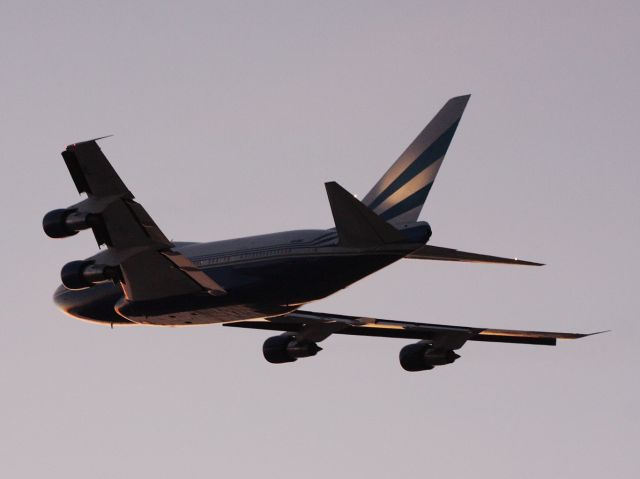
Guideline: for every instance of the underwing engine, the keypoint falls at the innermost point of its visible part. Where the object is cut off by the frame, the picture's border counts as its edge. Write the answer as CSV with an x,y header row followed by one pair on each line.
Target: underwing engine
x,y
83,274
63,223
423,356
286,349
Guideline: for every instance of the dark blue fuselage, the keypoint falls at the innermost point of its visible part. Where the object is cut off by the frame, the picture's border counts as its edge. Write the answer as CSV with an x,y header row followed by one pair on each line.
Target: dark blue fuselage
x,y
264,276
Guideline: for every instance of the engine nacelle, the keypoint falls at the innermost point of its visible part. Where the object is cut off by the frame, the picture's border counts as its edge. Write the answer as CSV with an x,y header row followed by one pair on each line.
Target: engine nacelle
x,y
83,274
286,349
422,357
65,223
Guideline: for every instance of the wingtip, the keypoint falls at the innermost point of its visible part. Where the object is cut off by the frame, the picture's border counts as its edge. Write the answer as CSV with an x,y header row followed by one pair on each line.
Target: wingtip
x,y
528,263
102,137
598,332
583,335
88,141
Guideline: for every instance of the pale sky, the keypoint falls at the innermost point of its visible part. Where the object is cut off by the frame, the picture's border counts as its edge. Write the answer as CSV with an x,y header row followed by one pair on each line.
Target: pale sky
x,y
228,118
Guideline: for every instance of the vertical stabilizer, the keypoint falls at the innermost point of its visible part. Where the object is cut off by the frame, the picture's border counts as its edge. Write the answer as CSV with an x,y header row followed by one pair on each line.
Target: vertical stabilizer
x,y
399,195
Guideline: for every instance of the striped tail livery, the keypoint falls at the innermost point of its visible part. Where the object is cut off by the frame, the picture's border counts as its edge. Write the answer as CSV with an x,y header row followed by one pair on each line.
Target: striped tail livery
x,y
399,195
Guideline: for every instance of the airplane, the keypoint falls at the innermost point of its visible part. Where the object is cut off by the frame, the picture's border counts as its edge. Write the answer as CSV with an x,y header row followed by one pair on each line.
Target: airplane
x,y
261,282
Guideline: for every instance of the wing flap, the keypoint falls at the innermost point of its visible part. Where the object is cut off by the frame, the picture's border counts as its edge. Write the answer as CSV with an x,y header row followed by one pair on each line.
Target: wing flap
x,y
196,274
127,225
150,275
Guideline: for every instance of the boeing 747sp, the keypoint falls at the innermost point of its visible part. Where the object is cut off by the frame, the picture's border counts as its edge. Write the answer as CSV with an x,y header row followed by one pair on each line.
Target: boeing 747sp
x,y
261,282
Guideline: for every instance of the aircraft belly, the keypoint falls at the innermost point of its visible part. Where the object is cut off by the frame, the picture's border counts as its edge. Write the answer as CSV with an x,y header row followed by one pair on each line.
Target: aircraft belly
x,y
255,290
218,314
259,289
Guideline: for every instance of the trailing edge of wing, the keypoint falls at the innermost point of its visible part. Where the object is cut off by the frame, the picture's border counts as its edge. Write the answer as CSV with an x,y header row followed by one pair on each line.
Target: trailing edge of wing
x,y
449,254
299,321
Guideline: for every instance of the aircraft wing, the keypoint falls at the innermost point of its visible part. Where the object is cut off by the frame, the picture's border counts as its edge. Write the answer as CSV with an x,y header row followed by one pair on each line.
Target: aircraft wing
x,y
148,266
449,254
312,326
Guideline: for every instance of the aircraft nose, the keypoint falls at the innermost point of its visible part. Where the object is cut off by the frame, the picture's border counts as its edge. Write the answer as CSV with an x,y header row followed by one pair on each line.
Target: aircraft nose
x,y
61,297
94,304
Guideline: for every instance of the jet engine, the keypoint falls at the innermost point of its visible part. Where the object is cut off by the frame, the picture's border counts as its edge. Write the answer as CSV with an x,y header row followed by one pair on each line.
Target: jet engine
x,y
66,222
423,357
286,349
83,274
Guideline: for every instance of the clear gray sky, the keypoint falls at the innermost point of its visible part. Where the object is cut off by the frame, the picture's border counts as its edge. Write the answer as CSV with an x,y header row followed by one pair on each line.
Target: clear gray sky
x,y
228,117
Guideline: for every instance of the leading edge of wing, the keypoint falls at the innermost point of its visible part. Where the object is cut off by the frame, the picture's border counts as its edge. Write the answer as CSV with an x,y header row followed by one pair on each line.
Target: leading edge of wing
x,y
363,326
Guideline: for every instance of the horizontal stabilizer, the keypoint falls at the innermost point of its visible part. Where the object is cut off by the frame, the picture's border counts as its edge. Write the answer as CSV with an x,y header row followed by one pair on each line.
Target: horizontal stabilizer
x,y
356,224
449,254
